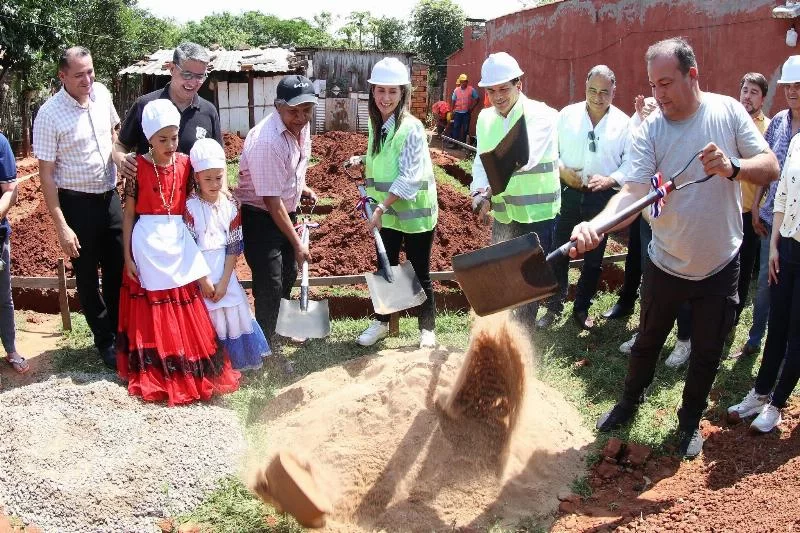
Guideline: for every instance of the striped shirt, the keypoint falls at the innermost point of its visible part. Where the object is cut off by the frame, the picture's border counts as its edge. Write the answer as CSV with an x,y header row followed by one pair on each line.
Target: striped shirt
x,y
78,139
778,136
273,164
409,176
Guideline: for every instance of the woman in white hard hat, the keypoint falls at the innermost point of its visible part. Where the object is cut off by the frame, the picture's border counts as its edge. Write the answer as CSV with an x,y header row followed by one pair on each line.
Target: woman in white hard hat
x,y
400,178
532,196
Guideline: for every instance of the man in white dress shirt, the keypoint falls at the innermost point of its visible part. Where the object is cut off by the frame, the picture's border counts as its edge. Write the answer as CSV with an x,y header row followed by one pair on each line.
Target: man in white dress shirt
x,y
593,146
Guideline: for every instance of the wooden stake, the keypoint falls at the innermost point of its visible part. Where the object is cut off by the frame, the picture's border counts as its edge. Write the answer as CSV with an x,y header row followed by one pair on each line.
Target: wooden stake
x,y
63,298
394,324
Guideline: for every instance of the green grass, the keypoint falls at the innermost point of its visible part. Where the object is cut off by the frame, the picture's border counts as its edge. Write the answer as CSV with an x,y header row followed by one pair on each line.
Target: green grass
x,y
233,173
466,163
77,352
443,177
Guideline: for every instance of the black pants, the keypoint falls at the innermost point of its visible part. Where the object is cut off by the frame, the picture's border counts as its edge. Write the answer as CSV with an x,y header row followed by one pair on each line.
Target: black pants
x,y
747,255
577,207
418,252
526,314
270,256
783,335
713,308
633,265
96,220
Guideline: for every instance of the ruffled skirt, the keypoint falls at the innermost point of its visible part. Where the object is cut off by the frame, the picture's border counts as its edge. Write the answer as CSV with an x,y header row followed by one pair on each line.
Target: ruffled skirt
x,y
241,335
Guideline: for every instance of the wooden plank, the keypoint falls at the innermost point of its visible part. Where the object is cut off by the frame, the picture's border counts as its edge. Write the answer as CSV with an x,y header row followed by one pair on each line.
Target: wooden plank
x,y
394,324
63,298
251,116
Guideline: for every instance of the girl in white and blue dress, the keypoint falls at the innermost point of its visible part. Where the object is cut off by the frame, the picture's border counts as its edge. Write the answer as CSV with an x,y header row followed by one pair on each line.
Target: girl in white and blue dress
x,y
214,221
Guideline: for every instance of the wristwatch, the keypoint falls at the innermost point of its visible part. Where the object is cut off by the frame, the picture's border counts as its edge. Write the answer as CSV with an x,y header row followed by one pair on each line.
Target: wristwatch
x,y
736,168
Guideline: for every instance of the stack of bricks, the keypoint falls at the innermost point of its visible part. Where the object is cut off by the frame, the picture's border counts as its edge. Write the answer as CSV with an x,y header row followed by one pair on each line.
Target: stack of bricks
x,y
419,98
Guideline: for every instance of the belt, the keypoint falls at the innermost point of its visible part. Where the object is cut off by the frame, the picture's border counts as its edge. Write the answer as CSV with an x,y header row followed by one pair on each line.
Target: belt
x,y
87,195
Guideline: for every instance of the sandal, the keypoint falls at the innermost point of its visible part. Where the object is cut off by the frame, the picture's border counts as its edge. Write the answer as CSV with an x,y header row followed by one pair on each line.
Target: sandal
x,y
18,363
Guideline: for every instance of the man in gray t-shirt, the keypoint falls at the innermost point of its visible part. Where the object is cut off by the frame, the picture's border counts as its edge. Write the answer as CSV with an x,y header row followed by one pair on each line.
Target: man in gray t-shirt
x,y
696,238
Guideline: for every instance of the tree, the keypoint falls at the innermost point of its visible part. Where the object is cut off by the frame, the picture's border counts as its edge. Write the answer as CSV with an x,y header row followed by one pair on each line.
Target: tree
x,y
390,33
438,26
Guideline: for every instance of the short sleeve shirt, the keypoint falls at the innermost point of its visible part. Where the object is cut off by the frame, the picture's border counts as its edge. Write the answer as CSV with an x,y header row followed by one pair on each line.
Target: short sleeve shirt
x,y
8,169
198,121
700,228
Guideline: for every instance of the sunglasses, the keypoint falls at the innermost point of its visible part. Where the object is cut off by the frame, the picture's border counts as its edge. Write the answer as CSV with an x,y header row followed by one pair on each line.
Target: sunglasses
x,y
186,75
592,142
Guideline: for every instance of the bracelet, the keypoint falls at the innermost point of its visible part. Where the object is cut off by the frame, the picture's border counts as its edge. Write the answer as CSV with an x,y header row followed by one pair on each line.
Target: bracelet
x,y
381,207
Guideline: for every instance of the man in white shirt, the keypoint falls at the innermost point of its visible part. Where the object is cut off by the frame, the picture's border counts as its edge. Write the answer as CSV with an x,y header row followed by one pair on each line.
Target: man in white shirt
x,y
593,144
73,135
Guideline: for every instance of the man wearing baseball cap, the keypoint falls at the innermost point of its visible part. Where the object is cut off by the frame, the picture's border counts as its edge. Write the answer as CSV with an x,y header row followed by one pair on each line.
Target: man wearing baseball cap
x,y
272,182
465,99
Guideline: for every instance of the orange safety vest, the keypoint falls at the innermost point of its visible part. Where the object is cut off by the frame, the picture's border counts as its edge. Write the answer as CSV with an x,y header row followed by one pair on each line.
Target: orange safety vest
x,y
463,99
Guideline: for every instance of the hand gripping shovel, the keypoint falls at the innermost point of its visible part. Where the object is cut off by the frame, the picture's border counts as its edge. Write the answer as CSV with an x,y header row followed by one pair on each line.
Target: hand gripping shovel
x,y
392,288
515,272
304,318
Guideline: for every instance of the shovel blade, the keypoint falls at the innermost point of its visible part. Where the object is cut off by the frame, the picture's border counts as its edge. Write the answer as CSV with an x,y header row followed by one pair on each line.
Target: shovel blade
x,y
507,157
314,323
505,275
403,293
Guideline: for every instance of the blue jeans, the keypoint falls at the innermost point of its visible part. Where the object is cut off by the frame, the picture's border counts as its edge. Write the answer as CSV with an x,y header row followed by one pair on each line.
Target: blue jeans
x,y
761,302
460,126
7,327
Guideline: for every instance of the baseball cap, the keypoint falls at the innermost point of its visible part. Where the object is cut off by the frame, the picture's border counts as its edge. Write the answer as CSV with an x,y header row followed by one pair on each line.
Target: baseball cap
x,y
295,90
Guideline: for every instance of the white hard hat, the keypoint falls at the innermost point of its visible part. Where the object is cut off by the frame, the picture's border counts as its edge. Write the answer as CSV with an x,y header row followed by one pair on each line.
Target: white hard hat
x,y
389,71
499,68
791,70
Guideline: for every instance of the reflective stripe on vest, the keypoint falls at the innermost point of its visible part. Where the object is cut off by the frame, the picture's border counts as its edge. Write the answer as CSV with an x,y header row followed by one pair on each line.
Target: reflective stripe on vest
x,y
463,99
533,195
408,216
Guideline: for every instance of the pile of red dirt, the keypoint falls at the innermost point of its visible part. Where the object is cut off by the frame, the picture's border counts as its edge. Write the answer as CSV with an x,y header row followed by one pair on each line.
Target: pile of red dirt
x,y
233,145
740,482
27,166
34,244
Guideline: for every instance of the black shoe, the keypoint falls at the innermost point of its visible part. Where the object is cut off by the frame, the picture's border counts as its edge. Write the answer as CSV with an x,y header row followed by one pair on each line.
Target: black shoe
x,y
547,320
618,416
620,310
583,320
109,356
746,351
690,443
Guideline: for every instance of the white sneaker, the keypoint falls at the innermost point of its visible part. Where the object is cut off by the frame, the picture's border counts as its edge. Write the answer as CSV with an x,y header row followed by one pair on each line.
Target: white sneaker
x,y
753,403
768,419
427,338
375,332
680,354
626,346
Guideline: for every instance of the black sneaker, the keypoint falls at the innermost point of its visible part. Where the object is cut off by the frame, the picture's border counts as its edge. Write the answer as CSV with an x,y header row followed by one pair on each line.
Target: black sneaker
x,y
547,320
109,356
618,416
690,443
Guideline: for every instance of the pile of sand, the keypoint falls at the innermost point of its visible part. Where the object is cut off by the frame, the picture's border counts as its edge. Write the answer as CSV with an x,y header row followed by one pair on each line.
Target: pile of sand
x,y
402,440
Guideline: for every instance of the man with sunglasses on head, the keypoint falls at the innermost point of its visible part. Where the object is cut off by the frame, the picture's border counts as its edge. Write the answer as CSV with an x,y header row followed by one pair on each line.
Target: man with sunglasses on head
x,y
199,117
593,151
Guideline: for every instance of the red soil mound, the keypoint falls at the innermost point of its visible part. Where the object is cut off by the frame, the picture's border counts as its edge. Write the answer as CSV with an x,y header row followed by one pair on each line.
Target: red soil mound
x,y
233,145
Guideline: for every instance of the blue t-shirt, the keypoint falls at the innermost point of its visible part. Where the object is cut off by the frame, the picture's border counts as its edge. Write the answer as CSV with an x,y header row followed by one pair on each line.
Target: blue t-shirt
x,y
8,171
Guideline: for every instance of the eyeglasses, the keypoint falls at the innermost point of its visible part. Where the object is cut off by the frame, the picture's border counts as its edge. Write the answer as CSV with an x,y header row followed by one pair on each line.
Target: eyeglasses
x,y
592,141
185,74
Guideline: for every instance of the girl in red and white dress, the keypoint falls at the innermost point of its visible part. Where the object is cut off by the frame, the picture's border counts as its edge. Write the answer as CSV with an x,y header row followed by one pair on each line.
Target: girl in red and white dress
x,y
167,347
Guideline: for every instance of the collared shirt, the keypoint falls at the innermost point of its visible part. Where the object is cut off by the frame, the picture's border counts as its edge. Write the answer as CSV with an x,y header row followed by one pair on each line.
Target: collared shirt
x,y
778,135
199,120
611,142
273,164
78,139
749,189
409,176
787,197
542,125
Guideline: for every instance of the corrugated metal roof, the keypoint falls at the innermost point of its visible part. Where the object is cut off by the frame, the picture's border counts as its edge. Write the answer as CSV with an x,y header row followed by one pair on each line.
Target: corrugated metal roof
x,y
256,59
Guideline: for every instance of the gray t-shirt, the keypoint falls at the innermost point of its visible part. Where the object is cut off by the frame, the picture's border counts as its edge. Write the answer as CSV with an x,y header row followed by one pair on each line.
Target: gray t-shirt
x,y
700,229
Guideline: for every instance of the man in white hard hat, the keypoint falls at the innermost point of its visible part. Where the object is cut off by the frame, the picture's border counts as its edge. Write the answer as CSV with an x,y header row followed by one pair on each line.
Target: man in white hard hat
x,y
696,233
532,197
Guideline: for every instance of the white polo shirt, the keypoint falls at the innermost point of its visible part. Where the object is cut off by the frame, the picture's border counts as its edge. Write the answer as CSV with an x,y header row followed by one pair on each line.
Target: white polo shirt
x,y
78,139
611,142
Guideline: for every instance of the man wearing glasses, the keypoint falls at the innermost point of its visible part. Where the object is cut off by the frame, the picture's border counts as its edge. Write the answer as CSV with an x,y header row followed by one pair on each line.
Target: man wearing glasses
x,y
199,117
593,150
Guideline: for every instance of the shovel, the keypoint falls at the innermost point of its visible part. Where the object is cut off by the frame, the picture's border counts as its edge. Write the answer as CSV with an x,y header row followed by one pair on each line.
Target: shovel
x,y
507,157
515,272
304,318
392,288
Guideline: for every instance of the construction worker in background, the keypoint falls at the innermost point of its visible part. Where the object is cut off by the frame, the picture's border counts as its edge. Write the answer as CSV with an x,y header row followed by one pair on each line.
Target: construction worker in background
x,y
465,99
441,111
532,197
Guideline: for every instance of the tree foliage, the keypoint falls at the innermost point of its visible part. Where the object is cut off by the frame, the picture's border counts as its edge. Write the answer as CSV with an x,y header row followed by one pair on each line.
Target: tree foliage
x,y
254,28
438,26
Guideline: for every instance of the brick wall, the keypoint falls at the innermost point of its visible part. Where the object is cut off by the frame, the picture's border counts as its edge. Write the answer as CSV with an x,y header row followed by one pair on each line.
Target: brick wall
x,y
419,98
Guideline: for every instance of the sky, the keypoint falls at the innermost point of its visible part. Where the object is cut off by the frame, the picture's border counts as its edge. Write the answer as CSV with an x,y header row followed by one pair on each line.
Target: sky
x,y
485,9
